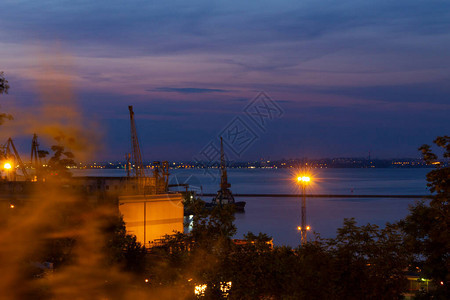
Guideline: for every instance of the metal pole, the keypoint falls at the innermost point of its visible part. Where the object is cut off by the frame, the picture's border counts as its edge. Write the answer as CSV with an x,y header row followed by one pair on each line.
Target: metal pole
x,y
303,229
145,223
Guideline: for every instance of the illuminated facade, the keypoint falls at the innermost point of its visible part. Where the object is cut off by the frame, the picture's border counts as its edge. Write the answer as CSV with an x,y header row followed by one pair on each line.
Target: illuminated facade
x,y
150,217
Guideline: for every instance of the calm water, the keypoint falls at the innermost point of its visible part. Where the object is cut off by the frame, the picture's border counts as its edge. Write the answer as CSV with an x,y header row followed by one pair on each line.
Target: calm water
x,y
279,217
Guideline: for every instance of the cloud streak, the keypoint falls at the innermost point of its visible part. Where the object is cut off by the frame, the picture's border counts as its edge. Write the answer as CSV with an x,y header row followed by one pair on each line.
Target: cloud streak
x,y
187,90
368,55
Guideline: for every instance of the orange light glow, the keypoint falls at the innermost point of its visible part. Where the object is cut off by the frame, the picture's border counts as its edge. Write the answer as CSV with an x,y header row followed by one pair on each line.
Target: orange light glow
x,y
303,179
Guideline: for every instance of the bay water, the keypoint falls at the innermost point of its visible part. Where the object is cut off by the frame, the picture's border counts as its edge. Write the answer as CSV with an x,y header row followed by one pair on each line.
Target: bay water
x,y
280,217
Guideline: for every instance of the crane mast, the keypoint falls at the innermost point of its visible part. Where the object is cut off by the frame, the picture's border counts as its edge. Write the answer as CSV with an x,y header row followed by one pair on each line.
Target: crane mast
x,y
35,157
34,152
139,171
224,195
223,169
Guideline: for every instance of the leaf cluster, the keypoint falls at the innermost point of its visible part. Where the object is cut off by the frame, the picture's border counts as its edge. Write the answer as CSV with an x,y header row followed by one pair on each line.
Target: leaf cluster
x,y
363,262
427,226
4,86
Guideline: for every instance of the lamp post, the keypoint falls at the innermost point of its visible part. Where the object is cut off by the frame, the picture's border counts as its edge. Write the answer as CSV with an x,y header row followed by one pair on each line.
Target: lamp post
x,y
303,180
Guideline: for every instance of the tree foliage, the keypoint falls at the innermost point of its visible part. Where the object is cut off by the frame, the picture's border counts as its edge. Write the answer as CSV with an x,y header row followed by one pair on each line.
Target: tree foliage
x,y
362,262
428,224
368,262
57,164
4,87
122,248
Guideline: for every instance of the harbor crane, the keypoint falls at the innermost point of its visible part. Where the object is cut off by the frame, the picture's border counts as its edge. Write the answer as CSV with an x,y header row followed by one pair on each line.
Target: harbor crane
x,y
224,195
139,170
35,158
160,179
9,152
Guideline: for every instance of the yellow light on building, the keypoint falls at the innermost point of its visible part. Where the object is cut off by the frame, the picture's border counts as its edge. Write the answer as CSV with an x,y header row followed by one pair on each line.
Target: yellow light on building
x,y
200,289
225,287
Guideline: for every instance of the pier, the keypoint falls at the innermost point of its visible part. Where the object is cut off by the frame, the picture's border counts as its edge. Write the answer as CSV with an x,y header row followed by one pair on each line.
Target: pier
x,y
326,196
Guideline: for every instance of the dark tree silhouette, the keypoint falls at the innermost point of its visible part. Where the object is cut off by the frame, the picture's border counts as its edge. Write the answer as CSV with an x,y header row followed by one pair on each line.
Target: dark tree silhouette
x,y
428,224
4,87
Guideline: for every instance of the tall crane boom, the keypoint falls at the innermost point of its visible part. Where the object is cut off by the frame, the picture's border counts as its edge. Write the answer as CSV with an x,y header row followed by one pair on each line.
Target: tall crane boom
x,y
224,195
10,145
139,170
223,168
35,159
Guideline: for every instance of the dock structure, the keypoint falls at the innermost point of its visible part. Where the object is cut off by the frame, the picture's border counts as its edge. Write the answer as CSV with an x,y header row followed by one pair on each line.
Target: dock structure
x,y
326,196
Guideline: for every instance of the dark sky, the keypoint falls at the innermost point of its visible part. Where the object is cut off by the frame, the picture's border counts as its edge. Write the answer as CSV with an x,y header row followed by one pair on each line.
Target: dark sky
x,y
349,77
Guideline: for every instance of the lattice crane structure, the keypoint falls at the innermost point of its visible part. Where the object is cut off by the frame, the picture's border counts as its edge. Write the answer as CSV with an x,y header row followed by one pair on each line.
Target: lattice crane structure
x,y
224,195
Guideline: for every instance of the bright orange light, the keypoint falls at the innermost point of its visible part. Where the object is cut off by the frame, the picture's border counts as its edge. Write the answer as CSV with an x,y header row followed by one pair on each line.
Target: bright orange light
x,y
11,205
308,228
7,166
146,280
299,228
304,179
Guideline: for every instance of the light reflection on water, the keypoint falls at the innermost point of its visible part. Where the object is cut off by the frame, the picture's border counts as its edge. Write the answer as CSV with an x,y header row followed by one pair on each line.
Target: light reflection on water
x,y
279,217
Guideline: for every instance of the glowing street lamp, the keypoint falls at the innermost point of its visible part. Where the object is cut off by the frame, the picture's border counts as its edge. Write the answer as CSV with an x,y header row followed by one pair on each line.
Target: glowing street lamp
x,y
299,228
7,167
303,180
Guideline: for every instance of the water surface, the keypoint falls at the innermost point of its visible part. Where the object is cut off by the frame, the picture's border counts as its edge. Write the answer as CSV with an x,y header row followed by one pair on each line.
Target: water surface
x,y
279,217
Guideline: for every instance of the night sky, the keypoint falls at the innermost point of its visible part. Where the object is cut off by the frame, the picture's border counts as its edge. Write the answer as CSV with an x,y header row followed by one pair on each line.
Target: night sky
x,y
348,77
